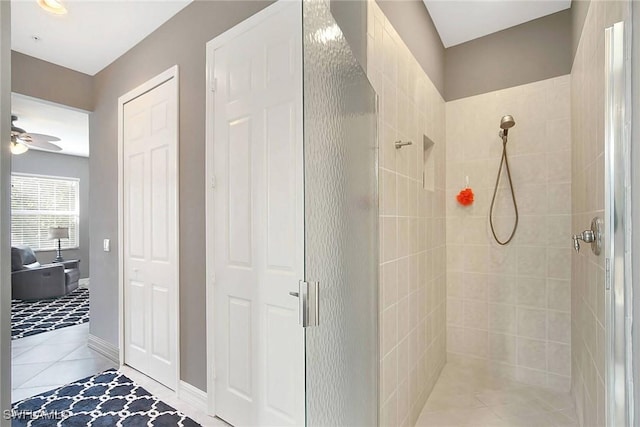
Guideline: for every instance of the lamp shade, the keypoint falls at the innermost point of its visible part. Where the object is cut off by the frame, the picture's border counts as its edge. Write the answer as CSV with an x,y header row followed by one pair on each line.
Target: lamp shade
x,y
58,232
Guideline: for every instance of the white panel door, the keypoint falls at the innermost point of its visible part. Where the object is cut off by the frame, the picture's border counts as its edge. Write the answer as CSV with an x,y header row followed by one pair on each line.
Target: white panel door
x,y
258,223
150,178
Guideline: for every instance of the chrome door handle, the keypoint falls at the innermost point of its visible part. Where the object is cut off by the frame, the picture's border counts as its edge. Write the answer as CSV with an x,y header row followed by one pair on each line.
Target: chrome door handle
x,y
592,236
308,303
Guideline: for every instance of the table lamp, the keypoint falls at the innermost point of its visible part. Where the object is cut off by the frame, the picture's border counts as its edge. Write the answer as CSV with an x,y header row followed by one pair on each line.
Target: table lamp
x,y
58,233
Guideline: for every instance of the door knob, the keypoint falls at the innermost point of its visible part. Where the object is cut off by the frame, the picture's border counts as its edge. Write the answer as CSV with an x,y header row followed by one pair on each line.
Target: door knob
x,y
592,236
294,294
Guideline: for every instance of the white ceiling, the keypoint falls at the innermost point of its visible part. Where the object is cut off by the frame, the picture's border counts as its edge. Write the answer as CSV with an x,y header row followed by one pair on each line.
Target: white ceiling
x,y
92,34
460,21
37,116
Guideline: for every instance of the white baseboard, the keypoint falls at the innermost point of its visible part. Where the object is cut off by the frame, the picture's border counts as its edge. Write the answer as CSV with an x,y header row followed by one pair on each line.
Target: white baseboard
x,y
193,396
105,348
83,283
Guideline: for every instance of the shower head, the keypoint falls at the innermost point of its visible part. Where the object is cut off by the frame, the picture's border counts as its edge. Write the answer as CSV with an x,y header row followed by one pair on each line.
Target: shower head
x,y
506,122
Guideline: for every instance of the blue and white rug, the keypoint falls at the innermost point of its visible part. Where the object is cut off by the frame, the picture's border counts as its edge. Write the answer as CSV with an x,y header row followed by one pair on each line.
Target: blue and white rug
x,y
34,317
106,399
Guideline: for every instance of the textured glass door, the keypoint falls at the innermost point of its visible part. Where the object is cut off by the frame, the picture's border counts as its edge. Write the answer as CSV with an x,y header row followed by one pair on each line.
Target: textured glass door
x,y
341,226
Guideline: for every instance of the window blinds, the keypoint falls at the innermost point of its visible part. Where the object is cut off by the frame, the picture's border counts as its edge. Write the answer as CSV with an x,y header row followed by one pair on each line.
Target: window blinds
x,y
39,202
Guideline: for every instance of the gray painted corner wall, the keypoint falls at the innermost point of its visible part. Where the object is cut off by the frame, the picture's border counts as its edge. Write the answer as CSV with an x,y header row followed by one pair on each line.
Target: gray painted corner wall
x,y
181,41
351,16
41,79
414,25
53,164
533,51
579,9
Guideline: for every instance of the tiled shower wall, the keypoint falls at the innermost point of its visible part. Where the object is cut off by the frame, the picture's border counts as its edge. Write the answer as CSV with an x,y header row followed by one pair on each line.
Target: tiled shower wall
x,y
587,291
510,305
412,225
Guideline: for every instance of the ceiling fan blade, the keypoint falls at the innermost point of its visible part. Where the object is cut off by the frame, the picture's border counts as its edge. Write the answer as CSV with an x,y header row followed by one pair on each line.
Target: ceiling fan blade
x,y
41,136
45,145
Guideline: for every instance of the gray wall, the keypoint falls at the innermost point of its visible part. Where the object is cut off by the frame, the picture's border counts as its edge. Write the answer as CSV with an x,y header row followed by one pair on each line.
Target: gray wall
x,y
533,51
579,9
43,163
179,41
351,16
413,23
44,80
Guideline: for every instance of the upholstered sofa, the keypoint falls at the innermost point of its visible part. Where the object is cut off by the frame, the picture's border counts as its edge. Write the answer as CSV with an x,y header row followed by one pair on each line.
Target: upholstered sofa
x,y
31,280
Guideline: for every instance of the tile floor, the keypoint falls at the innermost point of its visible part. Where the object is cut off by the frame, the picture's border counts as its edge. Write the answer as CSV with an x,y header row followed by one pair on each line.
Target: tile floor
x,y
52,359
469,395
49,360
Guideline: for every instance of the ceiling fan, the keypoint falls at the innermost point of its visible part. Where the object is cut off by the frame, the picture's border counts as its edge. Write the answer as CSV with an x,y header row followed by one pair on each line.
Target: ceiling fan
x,y
22,140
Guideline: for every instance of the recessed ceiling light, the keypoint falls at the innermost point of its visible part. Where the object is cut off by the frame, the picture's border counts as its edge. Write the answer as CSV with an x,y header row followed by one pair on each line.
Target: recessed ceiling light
x,y
53,6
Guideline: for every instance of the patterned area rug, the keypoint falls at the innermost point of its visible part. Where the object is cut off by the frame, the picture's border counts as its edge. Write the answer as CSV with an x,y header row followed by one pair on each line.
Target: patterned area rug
x,y
106,399
34,317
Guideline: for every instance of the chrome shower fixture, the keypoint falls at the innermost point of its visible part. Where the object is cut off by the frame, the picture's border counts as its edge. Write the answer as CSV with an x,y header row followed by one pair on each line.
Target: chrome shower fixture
x,y
506,122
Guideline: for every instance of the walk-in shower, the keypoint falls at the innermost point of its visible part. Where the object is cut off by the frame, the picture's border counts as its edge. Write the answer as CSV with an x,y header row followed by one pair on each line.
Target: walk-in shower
x,y
506,123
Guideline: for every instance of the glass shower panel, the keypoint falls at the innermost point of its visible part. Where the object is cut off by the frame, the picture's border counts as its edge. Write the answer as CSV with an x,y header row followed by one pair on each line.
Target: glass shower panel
x,y
341,226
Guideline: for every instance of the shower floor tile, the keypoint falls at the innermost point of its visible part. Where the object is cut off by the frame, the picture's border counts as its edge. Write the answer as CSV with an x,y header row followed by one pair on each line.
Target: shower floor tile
x,y
466,395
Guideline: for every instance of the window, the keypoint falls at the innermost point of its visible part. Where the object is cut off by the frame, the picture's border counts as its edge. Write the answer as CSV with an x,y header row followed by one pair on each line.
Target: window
x,y
40,202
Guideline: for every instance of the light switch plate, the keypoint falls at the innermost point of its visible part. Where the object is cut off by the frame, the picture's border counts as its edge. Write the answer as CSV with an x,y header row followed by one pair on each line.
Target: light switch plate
x,y
106,245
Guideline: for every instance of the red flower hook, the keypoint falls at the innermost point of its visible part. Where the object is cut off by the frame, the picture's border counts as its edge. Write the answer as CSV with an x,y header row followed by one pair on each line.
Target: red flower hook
x,y
465,197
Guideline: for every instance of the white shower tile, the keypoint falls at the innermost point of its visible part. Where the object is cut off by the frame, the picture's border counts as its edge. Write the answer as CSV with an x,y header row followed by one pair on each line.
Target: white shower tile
x,y
559,263
559,200
532,323
389,193
454,312
532,291
475,314
531,230
389,329
455,284
528,169
560,327
559,294
532,199
532,354
502,288
502,318
557,227
475,286
389,375
559,358
476,259
502,348
532,261
558,166
389,283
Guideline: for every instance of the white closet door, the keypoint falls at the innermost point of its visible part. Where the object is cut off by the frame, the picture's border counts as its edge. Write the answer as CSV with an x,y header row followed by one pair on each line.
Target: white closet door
x,y
258,224
150,178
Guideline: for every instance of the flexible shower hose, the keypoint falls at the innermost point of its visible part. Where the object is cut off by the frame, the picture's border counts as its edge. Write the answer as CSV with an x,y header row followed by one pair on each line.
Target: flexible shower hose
x,y
504,161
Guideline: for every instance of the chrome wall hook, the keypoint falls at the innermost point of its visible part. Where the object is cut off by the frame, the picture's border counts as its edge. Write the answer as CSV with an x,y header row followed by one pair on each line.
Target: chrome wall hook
x,y
400,144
